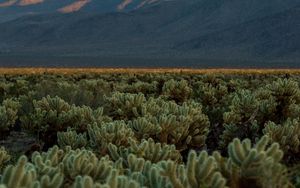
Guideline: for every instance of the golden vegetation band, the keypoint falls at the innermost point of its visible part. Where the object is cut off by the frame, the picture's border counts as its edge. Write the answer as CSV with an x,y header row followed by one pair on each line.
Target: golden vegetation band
x,y
42,70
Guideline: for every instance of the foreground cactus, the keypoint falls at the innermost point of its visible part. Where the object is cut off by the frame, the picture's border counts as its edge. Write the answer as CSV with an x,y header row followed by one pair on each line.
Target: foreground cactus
x,y
202,171
147,149
4,157
257,166
287,135
20,175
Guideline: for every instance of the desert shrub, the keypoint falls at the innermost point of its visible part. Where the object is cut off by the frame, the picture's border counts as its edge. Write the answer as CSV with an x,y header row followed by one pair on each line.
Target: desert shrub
x,y
52,115
125,106
148,89
8,114
147,149
101,135
72,139
213,98
253,166
179,91
239,121
288,137
286,94
4,157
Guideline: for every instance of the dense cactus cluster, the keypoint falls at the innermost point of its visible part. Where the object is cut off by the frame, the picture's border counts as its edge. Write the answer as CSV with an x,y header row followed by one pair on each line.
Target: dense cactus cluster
x,y
150,130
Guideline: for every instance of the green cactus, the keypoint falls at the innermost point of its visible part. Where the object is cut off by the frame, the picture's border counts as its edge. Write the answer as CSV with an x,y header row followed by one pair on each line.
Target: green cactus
x,y
287,135
55,114
85,163
47,182
116,132
21,175
179,91
52,115
148,89
117,181
249,130
258,165
145,127
202,171
86,182
213,98
47,163
244,106
147,149
125,106
72,139
4,157
8,114
287,97
240,121
183,125
267,105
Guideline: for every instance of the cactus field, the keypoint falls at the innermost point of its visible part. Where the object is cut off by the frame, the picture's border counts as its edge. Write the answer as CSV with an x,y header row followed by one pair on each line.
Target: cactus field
x,y
79,128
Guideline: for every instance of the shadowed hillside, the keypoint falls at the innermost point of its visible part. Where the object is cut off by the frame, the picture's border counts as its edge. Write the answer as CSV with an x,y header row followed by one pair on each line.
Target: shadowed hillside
x,y
207,29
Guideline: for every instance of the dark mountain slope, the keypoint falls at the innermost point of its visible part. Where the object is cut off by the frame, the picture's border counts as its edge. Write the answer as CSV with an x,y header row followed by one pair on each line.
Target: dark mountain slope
x,y
210,29
17,8
273,36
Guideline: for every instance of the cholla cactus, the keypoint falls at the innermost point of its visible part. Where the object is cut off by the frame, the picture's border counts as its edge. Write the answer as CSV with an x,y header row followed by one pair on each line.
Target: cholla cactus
x,y
183,125
258,165
145,127
116,181
202,171
24,174
287,97
147,174
70,164
287,135
125,106
8,114
19,176
48,163
213,98
50,182
244,106
85,163
154,152
147,149
240,120
57,115
4,89
148,89
52,115
250,130
72,139
83,116
4,157
179,91
267,105
86,182
116,132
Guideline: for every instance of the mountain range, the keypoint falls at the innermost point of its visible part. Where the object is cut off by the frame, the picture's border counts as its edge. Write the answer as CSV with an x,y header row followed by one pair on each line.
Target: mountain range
x,y
237,30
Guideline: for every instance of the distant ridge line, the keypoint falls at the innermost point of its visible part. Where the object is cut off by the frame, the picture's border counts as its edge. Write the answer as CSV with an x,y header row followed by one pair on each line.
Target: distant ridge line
x,y
68,71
